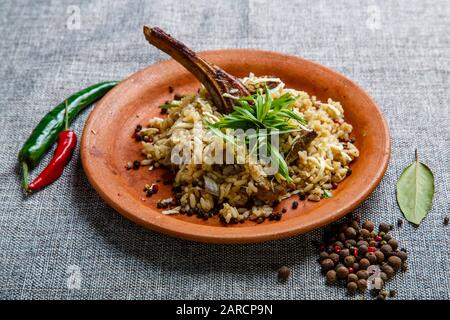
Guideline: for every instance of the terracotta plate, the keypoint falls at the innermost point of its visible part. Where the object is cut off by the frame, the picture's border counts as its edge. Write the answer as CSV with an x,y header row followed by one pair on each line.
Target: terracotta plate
x,y
107,146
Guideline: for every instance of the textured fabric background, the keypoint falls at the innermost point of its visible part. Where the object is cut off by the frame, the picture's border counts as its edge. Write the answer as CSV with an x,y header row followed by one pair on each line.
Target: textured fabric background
x,y
399,51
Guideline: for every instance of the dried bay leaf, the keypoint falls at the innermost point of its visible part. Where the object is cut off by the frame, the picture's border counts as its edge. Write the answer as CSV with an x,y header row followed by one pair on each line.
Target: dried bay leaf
x,y
415,190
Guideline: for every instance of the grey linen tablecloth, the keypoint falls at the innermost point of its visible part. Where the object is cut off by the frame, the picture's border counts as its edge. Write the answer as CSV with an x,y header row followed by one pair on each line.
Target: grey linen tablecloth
x,y
66,243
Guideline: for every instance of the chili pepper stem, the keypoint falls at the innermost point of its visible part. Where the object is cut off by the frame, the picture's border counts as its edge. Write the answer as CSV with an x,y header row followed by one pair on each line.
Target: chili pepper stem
x,y
66,116
25,176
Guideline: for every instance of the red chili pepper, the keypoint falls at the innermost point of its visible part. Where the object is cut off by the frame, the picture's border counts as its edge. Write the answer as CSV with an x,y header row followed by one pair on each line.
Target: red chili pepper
x,y
67,141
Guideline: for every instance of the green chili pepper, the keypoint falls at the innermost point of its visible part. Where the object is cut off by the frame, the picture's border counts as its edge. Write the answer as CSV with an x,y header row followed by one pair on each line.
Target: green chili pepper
x,y
46,132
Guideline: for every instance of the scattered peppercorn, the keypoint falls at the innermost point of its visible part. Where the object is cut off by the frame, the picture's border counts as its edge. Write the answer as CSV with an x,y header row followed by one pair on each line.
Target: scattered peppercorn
x,y
170,89
283,210
136,164
294,205
446,220
283,273
392,293
399,222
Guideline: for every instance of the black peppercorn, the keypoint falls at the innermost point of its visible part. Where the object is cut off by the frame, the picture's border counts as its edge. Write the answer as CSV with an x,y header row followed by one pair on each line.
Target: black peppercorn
x,y
283,273
294,205
399,222
136,164
446,220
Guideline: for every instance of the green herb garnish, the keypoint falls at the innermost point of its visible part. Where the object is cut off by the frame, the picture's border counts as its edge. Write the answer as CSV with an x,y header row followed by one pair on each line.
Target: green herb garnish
x,y
168,105
326,194
261,112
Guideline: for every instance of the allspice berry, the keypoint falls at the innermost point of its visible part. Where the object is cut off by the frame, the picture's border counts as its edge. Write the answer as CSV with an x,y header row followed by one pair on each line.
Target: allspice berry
x,y
355,267
362,243
365,233
386,249
368,225
362,250
362,284
342,272
384,227
350,233
341,237
323,255
387,237
352,277
364,263
352,286
380,256
383,276
344,253
388,270
371,257
349,261
393,243
402,255
331,276
334,257
327,264
395,262
362,274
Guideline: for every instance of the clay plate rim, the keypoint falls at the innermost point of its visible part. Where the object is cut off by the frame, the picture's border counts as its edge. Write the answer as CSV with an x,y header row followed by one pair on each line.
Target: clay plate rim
x,y
96,171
